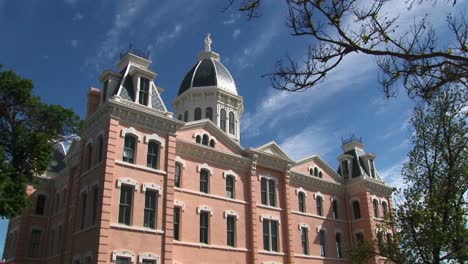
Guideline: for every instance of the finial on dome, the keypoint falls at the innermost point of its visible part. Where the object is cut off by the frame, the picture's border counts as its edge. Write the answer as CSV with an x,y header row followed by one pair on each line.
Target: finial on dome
x,y
208,43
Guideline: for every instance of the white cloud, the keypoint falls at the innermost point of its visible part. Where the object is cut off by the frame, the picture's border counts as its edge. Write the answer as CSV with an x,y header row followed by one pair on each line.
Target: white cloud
x,y
233,17
236,33
77,17
310,140
392,174
166,36
74,43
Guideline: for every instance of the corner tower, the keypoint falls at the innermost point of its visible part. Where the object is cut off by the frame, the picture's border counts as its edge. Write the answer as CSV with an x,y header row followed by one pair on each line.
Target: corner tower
x,y
209,91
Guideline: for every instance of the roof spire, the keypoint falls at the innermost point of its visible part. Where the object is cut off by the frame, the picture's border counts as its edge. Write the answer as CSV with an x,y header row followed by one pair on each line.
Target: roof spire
x,y
208,42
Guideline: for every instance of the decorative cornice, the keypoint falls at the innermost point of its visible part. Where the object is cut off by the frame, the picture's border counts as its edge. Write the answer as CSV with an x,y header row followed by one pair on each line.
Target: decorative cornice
x,y
311,182
364,183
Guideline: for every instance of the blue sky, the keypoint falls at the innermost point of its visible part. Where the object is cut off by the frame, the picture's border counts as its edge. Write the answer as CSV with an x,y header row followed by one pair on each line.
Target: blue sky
x,y
64,45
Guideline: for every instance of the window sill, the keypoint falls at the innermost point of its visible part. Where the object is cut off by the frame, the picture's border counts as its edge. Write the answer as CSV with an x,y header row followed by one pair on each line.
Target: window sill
x,y
210,195
136,228
318,257
272,253
201,245
139,167
269,207
316,216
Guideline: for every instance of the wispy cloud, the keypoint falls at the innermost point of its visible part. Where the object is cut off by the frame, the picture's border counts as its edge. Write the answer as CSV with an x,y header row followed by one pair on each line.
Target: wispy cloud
x,y
74,43
392,174
233,17
77,17
236,33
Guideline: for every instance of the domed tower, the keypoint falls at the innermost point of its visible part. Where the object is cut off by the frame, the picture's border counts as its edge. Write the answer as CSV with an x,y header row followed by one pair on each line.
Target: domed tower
x,y
209,91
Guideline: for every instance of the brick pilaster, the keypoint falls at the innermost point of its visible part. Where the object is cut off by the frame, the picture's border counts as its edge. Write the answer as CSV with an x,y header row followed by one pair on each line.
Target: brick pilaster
x,y
288,221
254,189
168,214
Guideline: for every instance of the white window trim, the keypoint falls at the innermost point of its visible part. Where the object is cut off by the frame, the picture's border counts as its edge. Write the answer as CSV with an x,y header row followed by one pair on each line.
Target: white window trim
x,y
269,177
128,181
124,254
205,208
157,138
180,160
319,228
352,199
301,190
180,204
130,130
148,256
231,212
210,137
151,186
319,194
300,226
334,198
230,172
270,217
206,167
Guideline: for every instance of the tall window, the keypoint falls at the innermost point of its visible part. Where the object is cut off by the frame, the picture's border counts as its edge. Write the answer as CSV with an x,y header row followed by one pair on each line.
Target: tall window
x,y
100,148
384,209
83,210
125,206
104,90
179,117
359,238
40,204
375,203
270,235
345,169
186,116
212,143
305,240
178,171
223,120
153,155
231,230
356,210
35,243
339,248
320,175
205,140
315,171
268,191
230,186
204,181
94,205
151,200
319,200
120,260
323,240
198,139
197,114
144,91
372,168
59,240
301,199
129,149
335,209
177,223
204,225
209,113
231,123
64,198
89,156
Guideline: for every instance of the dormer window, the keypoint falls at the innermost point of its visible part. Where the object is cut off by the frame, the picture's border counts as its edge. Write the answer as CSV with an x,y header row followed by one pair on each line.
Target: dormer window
x,y
209,113
197,114
371,168
104,90
345,168
144,91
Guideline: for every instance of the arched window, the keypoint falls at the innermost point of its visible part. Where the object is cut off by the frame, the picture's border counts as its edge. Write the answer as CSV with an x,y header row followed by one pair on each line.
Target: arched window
x,y
100,148
384,209
311,171
197,114
356,210
335,208
179,117
376,208
89,156
315,171
178,171
205,140
230,186
301,200
319,205
212,143
209,113
129,149
320,175
153,155
339,248
231,123
198,139
223,120
204,181
186,116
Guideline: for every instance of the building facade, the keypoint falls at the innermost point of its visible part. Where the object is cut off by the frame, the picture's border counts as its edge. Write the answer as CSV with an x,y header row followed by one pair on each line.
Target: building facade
x,y
144,185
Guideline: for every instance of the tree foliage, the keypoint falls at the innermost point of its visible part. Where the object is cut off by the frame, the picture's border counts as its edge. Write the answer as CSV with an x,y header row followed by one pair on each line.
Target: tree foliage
x,y
28,129
415,58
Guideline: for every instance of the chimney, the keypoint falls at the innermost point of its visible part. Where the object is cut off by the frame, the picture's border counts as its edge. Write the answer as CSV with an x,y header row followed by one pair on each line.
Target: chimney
x,y
94,96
